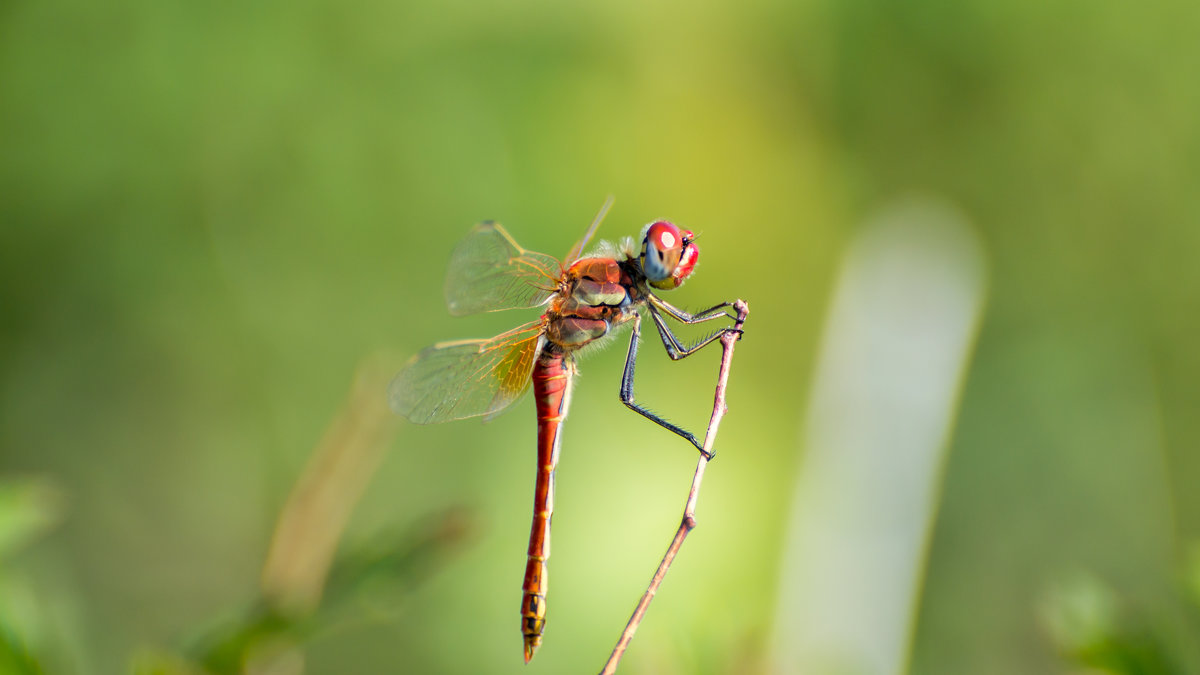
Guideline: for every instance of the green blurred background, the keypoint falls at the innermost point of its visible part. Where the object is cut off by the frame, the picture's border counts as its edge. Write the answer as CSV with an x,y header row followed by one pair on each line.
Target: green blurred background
x,y
212,213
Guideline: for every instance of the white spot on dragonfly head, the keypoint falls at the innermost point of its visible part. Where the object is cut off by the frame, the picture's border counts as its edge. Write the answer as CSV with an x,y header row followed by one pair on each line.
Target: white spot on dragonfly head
x,y
668,239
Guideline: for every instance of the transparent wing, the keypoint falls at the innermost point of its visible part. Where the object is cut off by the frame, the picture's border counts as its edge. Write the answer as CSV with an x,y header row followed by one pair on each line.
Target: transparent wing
x,y
577,251
454,380
489,272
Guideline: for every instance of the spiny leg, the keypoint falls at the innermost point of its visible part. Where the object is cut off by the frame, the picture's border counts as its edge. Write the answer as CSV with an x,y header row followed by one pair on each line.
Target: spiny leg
x,y
627,392
714,312
675,348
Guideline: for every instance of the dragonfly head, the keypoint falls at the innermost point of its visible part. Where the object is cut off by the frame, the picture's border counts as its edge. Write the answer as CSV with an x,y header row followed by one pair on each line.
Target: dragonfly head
x,y
668,254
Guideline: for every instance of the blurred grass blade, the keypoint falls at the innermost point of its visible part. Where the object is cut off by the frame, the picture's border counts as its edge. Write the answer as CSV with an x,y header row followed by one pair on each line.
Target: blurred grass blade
x,y
15,658
28,507
1092,626
267,634
400,560
338,472
895,348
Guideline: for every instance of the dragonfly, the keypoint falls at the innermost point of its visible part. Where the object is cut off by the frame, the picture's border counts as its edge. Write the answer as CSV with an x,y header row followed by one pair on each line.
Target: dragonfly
x,y
585,298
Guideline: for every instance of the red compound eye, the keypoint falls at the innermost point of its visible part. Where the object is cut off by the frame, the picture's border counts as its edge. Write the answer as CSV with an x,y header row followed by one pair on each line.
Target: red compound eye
x,y
687,260
668,255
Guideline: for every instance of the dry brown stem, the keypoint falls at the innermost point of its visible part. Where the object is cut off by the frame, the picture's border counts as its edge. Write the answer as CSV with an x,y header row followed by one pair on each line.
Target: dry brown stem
x,y
689,509
318,508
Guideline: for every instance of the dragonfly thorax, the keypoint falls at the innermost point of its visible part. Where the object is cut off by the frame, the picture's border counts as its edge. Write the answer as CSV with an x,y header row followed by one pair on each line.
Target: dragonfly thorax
x,y
593,294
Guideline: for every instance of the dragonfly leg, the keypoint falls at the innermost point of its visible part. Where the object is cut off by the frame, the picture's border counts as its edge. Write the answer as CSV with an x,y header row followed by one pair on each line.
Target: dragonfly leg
x,y
627,392
675,348
681,316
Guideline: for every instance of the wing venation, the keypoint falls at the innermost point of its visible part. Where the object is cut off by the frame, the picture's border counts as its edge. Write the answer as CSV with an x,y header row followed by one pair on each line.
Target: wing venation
x,y
468,378
489,271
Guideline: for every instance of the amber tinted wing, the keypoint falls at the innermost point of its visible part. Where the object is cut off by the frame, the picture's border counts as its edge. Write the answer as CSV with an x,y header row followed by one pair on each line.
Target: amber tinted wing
x,y
490,272
453,380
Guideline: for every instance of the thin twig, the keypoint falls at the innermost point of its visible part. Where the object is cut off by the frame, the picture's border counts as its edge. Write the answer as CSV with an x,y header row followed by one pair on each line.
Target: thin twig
x,y
689,509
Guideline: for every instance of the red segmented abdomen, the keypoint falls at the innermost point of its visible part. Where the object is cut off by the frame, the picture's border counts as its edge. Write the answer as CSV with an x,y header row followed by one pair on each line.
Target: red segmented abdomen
x,y
551,389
